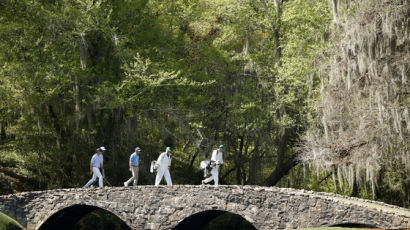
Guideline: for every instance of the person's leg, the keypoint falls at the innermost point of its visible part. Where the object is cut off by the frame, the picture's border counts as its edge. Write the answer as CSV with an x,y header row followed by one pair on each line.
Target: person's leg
x,y
135,174
97,172
209,179
95,183
158,178
91,180
168,177
126,183
215,176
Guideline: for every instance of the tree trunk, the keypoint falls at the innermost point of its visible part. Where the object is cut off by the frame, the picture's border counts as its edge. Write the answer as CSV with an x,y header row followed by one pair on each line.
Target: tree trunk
x,y
282,166
238,162
2,132
254,164
355,189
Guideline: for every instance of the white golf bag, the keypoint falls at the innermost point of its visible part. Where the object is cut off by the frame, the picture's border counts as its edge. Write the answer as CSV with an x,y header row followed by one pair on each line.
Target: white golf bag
x,y
154,167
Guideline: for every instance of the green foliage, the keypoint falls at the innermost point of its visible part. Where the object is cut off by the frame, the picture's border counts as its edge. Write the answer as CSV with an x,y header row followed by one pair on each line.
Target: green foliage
x,y
7,223
76,75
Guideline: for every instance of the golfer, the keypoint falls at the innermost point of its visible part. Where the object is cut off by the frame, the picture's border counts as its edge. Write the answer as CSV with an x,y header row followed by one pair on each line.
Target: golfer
x,y
95,183
134,167
96,164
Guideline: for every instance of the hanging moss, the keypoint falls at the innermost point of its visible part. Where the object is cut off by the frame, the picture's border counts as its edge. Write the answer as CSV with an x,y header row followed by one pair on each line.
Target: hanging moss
x,y
365,95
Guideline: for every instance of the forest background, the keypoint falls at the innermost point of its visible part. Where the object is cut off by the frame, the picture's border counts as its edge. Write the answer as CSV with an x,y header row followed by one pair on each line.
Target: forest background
x,y
309,94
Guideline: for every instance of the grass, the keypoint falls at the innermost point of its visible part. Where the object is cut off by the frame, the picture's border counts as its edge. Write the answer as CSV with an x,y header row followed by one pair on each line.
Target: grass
x,y
7,223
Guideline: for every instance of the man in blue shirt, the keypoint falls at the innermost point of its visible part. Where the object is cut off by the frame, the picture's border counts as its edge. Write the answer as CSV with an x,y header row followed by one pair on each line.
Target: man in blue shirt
x,y
95,165
134,166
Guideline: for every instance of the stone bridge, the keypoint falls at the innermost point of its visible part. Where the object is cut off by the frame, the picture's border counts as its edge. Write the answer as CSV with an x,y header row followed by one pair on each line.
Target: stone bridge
x,y
149,207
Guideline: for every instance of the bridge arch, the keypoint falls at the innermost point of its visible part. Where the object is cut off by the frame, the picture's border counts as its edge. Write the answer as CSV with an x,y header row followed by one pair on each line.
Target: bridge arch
x,y
65,217
200,219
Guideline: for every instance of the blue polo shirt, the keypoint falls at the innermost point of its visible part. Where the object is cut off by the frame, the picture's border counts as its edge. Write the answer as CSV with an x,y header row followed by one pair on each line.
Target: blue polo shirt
x,y
96,161
134,159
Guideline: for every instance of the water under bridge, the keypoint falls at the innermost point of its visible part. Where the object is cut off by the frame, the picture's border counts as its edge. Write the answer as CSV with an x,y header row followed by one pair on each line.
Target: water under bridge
x,y
163,207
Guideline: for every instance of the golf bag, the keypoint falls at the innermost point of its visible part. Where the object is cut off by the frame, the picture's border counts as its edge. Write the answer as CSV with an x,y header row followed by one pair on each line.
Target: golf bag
x,y
154,167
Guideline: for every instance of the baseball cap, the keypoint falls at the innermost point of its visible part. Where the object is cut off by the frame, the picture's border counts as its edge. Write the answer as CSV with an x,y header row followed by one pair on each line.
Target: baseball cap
x,y
222,146
137,149
103,148
168,149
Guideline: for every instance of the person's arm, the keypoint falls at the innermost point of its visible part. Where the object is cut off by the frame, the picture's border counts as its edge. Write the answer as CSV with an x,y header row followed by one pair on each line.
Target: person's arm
x,y
91,168
130,163
169,165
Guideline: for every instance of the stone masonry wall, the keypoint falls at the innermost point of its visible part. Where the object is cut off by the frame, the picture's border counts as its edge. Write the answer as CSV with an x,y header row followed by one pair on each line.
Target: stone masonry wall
x,y
150,207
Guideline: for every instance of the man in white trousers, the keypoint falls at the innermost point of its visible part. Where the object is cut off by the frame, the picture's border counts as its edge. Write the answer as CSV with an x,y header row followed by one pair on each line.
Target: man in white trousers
x,y
134,167
95,183
96,164
216,160
164,164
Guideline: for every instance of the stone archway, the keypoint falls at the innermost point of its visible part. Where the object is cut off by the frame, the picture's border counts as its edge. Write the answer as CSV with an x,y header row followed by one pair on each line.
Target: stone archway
x,y
66,217
201,219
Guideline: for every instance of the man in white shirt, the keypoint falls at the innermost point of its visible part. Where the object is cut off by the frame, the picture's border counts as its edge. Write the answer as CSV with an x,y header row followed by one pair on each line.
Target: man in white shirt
x,y
216,160
95,183
96,164
164,164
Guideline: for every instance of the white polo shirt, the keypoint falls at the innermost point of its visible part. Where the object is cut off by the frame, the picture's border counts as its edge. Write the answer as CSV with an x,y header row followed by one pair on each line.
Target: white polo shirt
x,y
217,156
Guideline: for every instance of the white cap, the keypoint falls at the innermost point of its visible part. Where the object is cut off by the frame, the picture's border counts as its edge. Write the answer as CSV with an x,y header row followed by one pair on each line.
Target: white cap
x,y
103,148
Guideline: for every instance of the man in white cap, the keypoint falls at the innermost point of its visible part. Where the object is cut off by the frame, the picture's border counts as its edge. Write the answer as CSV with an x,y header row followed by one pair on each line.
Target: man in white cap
x,y
95,165
95,183
134,166
164,165
216,160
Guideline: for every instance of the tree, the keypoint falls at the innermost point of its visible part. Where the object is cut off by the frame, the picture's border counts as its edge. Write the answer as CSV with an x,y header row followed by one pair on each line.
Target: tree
x,y
362,135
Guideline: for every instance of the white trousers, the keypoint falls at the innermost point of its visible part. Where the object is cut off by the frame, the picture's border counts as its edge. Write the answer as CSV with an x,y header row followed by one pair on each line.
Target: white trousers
x,y
134,176
163,172
96,173
214,176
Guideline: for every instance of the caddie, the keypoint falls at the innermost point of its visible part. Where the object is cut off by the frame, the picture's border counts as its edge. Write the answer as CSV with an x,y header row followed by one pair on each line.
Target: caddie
x,y
164,165
216,161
